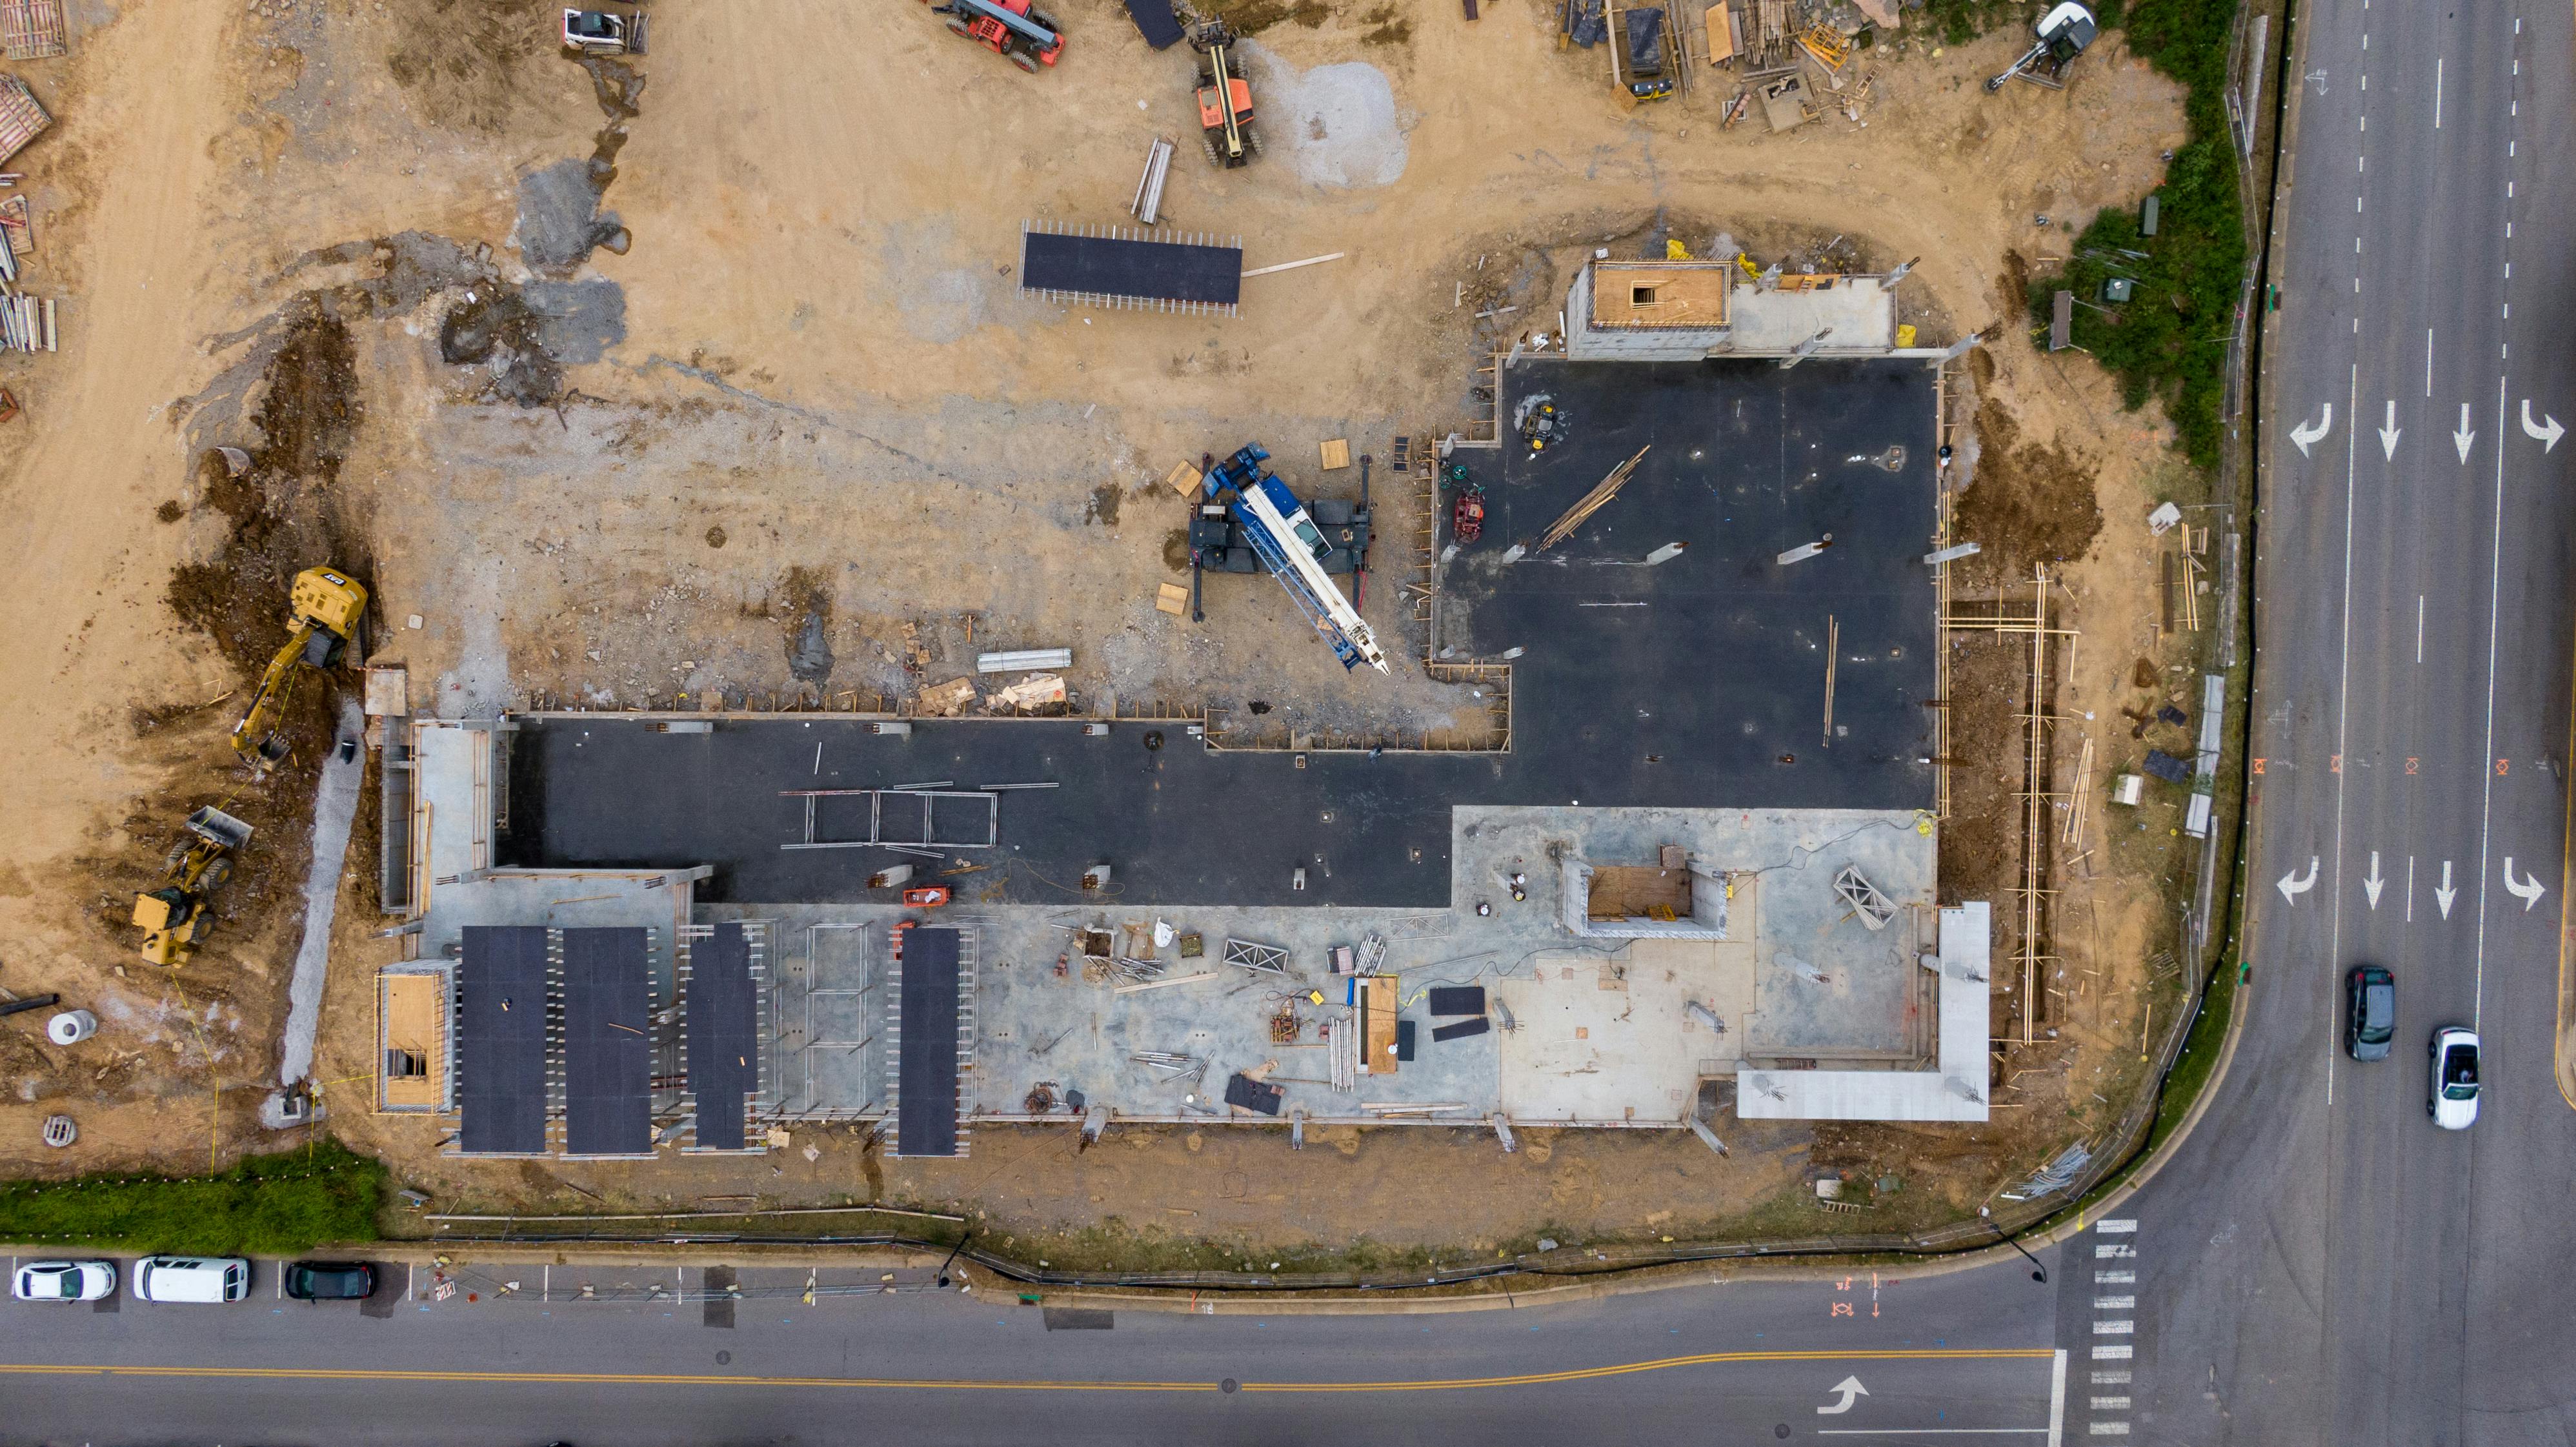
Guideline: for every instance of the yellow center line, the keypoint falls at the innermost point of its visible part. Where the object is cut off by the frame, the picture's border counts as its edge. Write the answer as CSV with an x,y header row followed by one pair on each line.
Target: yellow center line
x,y
643,1379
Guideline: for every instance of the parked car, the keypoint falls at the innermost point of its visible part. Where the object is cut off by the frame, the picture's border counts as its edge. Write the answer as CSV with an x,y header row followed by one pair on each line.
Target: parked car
x,y
2370,1012
64,1281
2453,1102
330,1281
191,1278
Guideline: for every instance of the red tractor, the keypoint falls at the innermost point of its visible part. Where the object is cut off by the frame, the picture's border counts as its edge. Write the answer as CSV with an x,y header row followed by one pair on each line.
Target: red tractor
x,y
1013,29
1467,510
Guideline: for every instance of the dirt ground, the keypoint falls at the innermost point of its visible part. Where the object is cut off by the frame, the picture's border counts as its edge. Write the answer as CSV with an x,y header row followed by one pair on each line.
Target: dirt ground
x,y
709,375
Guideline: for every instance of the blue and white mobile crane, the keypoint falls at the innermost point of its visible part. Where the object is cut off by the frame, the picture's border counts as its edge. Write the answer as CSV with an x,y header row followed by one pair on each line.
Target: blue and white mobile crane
x,y
1284,536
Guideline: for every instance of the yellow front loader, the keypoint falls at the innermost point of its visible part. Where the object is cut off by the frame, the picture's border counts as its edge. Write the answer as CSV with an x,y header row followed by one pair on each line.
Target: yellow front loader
x,y
174,917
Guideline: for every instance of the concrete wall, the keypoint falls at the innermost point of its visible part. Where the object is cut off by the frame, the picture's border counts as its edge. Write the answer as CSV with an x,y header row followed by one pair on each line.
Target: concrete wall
x,y
1585,343
1707,917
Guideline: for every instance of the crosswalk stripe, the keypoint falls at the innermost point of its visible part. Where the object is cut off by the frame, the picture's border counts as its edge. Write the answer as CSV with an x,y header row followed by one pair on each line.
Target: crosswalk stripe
x,y
2115,1278
2119,1352
2110,1429
2117,1252
2110,1404
2115,1303
2115,1328
2116,1228
2110,1379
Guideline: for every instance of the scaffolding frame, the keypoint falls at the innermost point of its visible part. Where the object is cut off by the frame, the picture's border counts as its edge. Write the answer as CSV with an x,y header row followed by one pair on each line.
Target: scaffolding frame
x,y
876,818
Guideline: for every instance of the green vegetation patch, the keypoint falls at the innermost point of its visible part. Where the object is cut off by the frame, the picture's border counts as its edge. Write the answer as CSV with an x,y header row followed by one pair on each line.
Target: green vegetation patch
x,y
2168,338
266,1205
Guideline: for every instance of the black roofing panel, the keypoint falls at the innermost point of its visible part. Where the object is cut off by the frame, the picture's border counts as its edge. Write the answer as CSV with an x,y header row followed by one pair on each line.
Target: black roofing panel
x,y
926,1104
608,1043
1118,266
1155,21
721,1018
501,1041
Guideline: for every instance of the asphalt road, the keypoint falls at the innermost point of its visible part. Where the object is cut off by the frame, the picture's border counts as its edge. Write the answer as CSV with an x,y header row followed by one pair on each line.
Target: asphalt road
x,y
2319,1263
1961,1356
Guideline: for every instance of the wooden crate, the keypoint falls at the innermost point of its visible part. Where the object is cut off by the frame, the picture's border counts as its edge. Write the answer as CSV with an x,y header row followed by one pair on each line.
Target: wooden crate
x,y
1337,454
33,29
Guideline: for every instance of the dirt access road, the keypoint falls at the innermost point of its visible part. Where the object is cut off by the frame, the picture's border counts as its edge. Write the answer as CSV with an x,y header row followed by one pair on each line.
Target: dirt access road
x,y
792,397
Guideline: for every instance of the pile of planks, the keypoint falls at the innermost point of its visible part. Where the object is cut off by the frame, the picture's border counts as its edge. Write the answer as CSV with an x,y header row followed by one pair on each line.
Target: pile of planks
x,y
33,29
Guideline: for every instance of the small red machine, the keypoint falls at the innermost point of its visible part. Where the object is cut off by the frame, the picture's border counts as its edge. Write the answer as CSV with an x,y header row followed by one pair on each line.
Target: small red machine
x,y
1012,29
929,896
1467,512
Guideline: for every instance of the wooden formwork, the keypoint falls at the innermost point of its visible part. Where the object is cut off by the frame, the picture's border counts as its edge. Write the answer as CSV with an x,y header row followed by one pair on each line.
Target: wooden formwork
x,y
33,29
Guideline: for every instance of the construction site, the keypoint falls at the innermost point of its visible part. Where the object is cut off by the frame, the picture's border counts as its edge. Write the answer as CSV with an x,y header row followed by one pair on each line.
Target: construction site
x,y
1155,626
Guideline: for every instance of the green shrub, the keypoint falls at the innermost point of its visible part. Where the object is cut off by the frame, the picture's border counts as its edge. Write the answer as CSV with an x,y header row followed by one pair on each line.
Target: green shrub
x,y
2169,340
265,1205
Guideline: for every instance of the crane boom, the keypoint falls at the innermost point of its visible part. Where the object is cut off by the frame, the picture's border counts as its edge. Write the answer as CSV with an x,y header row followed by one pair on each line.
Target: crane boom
x,y
1287,542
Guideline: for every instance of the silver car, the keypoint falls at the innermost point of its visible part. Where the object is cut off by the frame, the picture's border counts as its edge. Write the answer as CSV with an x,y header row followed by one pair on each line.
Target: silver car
x,y
64,1281
2453,1103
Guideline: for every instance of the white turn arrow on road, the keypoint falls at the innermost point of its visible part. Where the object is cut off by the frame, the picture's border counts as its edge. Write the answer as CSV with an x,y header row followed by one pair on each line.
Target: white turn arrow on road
x,y
2374,883
2528,889
2446,893
2307,436
2548,434
1848,1388
2465,435
2388,433
2294,885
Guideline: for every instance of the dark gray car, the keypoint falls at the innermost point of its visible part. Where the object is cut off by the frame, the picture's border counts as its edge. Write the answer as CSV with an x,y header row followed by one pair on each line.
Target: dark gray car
x,y
2370,1012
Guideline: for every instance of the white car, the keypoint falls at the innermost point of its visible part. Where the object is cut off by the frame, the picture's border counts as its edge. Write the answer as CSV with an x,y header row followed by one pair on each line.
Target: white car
x,y
2453,1102
64,1281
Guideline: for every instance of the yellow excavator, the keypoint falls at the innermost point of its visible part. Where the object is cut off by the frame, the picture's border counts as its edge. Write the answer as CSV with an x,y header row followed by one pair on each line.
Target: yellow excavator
x,y
174,917
328,607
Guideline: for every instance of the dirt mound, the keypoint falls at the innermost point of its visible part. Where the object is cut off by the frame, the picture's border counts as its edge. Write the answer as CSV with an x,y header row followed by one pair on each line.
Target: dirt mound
x,y
2030,503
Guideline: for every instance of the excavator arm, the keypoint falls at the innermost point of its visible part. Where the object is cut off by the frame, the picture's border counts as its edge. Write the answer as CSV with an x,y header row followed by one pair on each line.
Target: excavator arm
x,y
256,737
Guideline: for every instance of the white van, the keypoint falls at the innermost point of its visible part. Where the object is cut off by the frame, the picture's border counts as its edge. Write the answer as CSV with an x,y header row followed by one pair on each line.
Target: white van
x,y
191,1278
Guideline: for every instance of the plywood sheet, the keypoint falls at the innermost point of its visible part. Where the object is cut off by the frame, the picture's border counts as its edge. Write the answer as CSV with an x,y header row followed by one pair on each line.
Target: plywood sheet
x,y
1379,1004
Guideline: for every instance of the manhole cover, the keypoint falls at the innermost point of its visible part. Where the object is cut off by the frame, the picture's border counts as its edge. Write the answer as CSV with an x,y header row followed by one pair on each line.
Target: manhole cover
x,y
1228,1385
59,1131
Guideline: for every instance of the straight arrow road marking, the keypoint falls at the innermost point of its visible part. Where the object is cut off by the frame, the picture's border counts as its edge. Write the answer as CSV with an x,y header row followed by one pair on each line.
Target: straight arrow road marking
x,y
2529,889
2444,895
2374,883
2388,433
2465,435
2547,434
2294,885
2307,437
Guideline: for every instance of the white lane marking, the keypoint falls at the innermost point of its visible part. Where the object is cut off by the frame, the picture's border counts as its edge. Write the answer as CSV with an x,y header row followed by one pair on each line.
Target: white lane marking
x,y
2528,891
2343,721
2115,1303
2115,1251
2428,361
2294,885
2410,859
2419,627
2057,1398
2115,1328
2115,1278
2110,1379
2110,1404
2444,895
2486,804
2306,436
1931,1431
2547,434
2389,432
2374,884
2464,436
1845,1392
2109,1429
2116,1227
2116,1352
2437,92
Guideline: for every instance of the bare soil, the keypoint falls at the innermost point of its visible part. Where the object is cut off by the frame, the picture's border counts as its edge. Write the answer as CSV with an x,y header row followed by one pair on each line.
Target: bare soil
x,y
791,428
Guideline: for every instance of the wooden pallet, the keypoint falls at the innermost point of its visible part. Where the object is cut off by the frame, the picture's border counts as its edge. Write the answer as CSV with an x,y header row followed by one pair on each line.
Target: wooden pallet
x,y
33,29
22,119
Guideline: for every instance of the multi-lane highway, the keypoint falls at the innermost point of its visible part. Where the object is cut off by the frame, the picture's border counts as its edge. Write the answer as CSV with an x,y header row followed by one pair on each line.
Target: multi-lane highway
x,y
2327,1266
